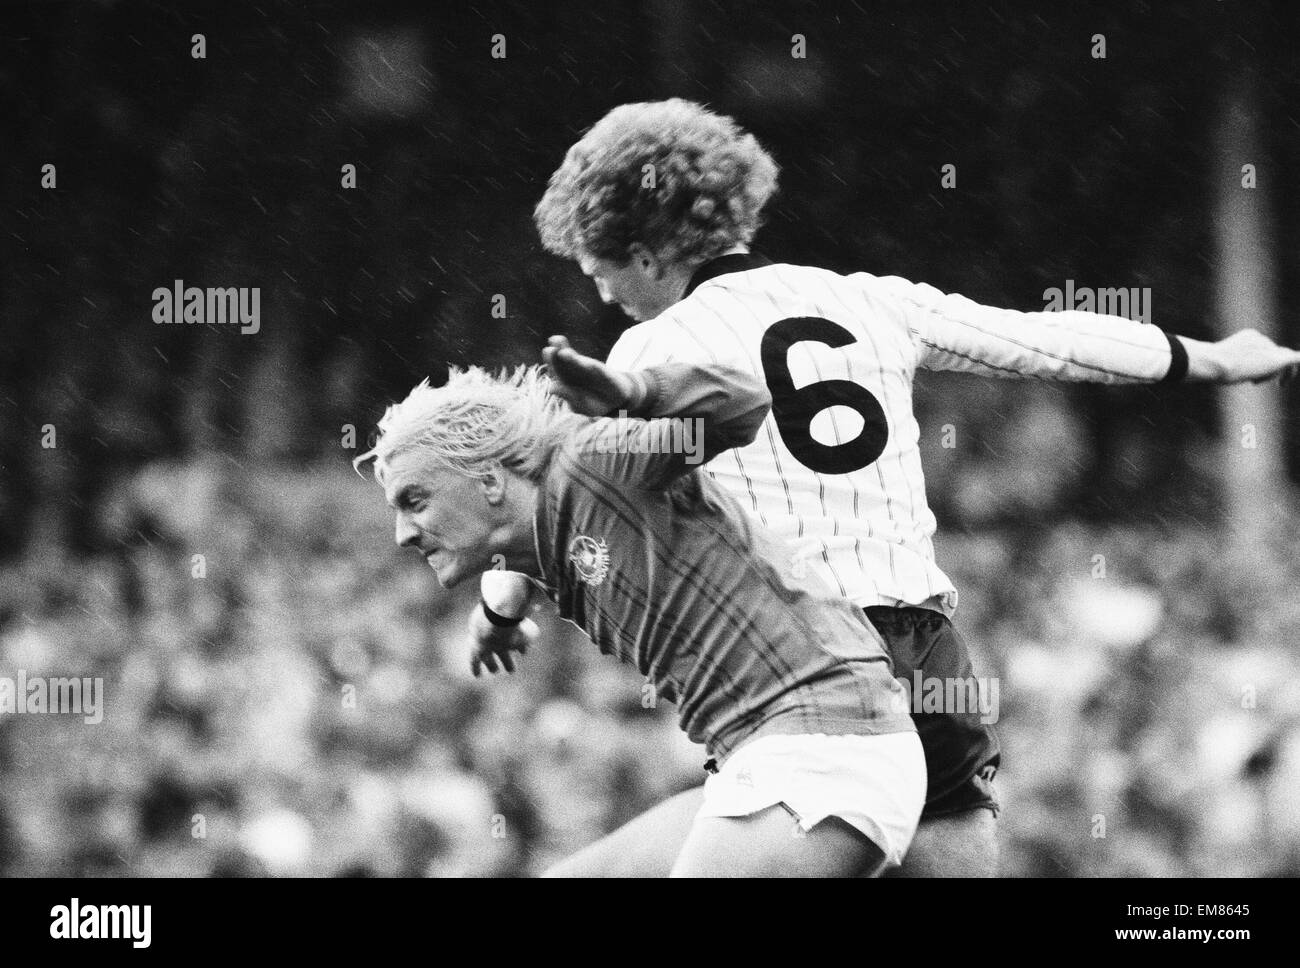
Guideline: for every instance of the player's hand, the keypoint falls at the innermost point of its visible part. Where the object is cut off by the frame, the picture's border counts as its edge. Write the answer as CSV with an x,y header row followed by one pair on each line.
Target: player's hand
x,y
588,385
1250,355
491,645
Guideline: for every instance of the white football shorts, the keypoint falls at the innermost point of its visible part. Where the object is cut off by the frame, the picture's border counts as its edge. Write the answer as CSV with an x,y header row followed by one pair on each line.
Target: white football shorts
x,y
876,784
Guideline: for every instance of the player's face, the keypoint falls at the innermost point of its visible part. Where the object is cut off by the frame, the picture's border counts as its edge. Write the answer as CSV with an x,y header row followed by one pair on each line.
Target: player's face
x,y
632,286
443,515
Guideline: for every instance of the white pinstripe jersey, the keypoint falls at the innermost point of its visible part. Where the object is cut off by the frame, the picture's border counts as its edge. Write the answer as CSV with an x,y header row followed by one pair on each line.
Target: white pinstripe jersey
x,y
836,468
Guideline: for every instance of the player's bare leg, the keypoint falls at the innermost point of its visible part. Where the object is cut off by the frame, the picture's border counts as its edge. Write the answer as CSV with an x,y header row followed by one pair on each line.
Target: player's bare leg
x,y
956,845
770,843
644,847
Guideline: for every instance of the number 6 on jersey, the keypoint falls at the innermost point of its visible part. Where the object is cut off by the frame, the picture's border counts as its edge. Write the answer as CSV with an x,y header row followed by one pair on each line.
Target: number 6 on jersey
x,y
794,409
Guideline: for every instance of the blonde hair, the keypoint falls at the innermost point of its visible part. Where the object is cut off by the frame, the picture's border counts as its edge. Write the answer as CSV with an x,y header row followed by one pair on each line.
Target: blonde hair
x,y
711,180
476,422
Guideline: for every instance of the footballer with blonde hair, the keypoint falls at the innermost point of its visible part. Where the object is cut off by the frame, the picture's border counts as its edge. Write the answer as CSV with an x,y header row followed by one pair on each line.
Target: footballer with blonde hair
x,y
658,203
786,684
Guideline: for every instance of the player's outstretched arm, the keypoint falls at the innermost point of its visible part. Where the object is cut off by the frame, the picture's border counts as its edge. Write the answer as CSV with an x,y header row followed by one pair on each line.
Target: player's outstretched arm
x,y
952,332
725,404
1248,355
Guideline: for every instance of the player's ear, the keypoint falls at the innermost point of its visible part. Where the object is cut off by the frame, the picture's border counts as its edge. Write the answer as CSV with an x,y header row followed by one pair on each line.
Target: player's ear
x,y
492,485
646,262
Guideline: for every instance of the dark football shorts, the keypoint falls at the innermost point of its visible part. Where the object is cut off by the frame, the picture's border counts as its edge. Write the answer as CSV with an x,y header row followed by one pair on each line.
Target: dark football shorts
x,y
961,753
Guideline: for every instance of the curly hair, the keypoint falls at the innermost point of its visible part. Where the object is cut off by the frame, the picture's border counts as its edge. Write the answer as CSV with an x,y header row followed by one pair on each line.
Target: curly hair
x,y
711,180
476,421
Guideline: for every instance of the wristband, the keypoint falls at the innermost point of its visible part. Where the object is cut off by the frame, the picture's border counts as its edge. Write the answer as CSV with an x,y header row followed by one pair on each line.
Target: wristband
x,y
497,619
1177,360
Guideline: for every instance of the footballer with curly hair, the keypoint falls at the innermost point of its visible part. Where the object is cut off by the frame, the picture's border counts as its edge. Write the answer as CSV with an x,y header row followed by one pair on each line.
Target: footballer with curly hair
x,y
658,203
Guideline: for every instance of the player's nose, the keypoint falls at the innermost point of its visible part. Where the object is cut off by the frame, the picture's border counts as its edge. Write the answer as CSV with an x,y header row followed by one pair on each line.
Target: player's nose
x,y
407,533
605,296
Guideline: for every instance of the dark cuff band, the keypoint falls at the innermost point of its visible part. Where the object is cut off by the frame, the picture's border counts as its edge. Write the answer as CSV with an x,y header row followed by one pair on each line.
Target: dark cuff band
x,y
500,621
1177,360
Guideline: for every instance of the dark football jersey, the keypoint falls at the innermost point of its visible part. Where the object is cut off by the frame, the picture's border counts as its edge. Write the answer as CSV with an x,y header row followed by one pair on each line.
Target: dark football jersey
x,y
660,566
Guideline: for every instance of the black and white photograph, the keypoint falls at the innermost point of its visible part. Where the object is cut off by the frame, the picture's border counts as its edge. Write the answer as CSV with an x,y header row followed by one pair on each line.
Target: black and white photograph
x,y
651,439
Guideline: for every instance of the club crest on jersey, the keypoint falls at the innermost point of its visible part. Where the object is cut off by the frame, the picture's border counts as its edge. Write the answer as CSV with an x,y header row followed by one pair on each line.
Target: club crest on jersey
x,y
590,559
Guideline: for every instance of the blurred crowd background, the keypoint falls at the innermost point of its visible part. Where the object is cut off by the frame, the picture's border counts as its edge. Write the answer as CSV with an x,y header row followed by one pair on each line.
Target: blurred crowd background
x,y
1126,557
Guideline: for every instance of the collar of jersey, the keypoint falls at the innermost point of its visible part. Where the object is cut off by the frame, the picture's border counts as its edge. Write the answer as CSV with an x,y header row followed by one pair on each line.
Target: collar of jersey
x,y
724,264
541,581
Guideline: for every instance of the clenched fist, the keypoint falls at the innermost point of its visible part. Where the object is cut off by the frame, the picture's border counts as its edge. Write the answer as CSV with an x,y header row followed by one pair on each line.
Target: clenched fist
x,y
491,644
